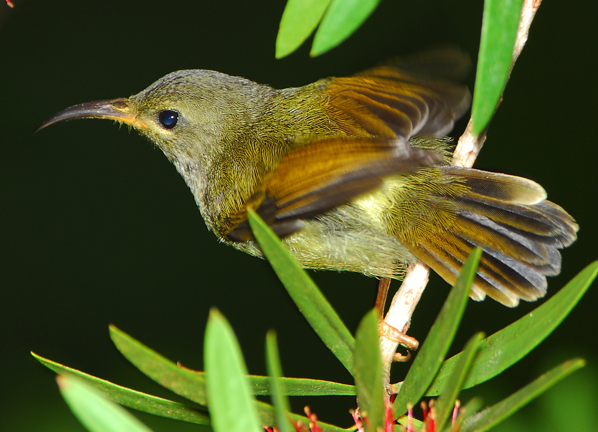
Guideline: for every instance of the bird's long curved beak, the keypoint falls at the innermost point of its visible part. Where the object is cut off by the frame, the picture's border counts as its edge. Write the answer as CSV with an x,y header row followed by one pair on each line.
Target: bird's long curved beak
x,y
115,109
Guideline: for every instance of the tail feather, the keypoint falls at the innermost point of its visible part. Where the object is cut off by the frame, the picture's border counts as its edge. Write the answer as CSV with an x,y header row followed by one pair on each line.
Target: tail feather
x,y
447,263
566,228
478,228
528,220
516,276
502,187
510,220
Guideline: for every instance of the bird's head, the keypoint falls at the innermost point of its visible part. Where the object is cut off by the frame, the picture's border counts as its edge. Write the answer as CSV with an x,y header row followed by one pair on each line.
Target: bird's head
x,y
190,115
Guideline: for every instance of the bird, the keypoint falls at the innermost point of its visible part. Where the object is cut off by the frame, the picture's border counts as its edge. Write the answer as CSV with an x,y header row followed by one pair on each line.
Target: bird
x,y
352,173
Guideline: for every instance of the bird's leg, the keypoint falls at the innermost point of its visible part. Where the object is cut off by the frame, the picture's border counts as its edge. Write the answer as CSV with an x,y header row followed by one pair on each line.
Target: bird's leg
x,y
383,286
389,332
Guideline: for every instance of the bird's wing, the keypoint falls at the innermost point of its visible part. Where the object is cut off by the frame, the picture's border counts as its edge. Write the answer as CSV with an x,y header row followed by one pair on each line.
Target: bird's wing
x,y
419,95
324,174
378,110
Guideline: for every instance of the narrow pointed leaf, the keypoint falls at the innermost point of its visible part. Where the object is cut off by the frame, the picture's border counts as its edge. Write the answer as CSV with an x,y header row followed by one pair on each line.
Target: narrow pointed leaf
x,y
232,407
299,19
446,400
499,30
134,399
368,373
191,384
488,418
180,380
306,295
279,400
434,349
507,346
94,411
164,407
342,18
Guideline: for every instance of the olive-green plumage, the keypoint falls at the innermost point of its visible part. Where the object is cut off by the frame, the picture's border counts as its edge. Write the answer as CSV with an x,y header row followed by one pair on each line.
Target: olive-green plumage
x,y
352,172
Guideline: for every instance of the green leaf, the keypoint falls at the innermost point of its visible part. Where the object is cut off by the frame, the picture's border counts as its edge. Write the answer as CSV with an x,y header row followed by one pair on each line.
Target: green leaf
x,y
490,417
191,384
304,292
164,407
499,30
94,411
299,19
446,401
507,346
368,373
280,402
134,399
229,399
434,349
342,18
231,405
178,379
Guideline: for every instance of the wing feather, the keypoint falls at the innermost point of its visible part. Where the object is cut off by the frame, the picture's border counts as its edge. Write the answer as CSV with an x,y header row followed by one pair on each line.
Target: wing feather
x,y
410,97
327,173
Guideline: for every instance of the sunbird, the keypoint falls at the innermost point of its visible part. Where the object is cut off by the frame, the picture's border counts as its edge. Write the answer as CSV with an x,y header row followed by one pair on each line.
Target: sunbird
x,y
353,173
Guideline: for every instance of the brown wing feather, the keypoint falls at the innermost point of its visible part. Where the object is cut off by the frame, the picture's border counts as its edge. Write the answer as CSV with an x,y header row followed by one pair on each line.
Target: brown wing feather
x,y
404,98
325,174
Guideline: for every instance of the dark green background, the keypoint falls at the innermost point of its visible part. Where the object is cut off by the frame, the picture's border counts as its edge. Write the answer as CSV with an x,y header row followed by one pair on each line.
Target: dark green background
x,y
98,228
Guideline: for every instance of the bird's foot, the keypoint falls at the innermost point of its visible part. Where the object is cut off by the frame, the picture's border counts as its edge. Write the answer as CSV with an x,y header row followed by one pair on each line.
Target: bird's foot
x,y
391,333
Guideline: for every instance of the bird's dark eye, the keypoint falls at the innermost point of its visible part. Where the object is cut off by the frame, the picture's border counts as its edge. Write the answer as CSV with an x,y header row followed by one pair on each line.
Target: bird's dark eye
x,y
168,118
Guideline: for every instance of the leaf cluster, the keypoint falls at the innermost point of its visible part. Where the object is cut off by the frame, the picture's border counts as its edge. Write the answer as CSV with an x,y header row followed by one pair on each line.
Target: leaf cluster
x,y
224,394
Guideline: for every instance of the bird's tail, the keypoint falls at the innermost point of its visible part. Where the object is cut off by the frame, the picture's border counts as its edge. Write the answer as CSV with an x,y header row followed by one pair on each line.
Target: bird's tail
x,y
509,218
